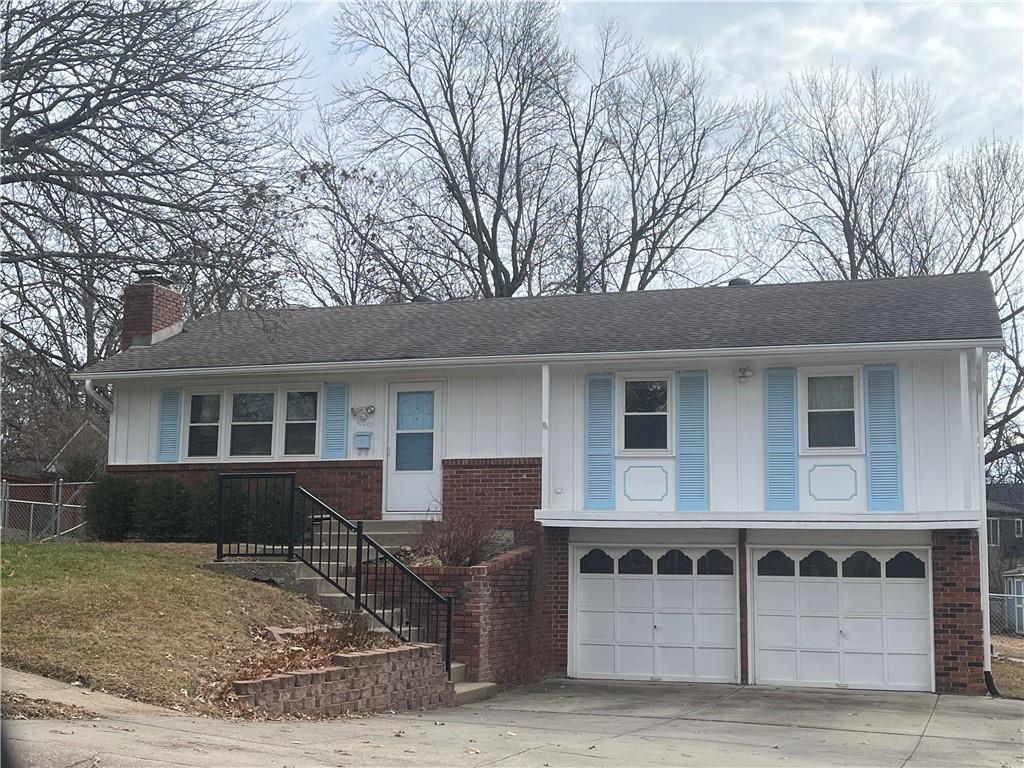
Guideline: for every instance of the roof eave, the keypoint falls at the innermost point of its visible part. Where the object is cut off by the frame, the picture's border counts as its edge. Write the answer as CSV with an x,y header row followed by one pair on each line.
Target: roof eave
x,y
990,344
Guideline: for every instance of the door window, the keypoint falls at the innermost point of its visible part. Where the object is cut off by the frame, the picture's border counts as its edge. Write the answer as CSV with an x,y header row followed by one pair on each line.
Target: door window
x,y
414,432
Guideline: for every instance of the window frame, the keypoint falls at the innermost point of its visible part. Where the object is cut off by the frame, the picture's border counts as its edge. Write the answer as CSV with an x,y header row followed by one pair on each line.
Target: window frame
x,y
188,424
803,398
283,395
1018,527
993,532
620,413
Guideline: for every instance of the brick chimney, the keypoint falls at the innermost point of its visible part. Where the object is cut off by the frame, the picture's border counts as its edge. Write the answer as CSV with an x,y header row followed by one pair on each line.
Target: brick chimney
x,y
150,306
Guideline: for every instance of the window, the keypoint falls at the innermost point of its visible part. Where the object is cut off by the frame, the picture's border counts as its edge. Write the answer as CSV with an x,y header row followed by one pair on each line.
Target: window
x,y
300,424
675,563
993,532
635,562
645,415
714,562
775,563
861,565
904,565
1018,527
597,561
203,425
831,412
414,432
252,423
818,564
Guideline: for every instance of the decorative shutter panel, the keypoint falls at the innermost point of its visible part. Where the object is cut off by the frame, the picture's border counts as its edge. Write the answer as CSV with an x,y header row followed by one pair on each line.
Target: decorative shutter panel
x,y
692,441
882,432
599,442
335,439
168,432
780,438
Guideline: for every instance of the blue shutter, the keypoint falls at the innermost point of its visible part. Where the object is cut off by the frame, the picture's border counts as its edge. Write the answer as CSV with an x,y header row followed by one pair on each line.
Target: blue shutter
x,y
599,442
780,437
168,432
692,441
882,431
335,439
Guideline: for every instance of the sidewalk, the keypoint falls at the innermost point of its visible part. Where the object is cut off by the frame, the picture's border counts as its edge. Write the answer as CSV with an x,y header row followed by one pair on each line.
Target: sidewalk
x,y
103,704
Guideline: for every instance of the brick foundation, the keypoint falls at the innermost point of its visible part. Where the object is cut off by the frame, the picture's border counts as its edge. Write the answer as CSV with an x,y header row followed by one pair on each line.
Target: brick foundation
x,y
956,598
506,490
353,487
409,677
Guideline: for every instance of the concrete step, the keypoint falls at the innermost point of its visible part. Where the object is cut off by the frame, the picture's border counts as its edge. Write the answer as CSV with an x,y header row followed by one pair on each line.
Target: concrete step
x,y
377,527
387,539
458,672
470,693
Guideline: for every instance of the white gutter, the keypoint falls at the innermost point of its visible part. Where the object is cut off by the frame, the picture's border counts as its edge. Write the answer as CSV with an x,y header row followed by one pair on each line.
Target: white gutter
x,y
101,400
561,357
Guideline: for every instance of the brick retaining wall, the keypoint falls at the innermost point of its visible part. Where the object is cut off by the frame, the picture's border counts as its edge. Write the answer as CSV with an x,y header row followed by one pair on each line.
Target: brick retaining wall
x,y
408,677
353,487
956,599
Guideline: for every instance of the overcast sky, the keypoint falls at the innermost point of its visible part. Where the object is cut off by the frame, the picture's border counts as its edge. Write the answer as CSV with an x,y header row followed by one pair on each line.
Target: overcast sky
x,y
971,53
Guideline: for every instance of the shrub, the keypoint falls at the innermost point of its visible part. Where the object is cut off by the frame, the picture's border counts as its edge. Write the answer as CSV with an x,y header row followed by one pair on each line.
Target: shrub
x,y
202,511
162,510
460,538
109,507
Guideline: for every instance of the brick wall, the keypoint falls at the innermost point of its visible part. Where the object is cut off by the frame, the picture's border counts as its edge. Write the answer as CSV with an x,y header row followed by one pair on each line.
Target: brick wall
x,y
352,487
506,490
741,575
405,678
956,597
149,307
554,596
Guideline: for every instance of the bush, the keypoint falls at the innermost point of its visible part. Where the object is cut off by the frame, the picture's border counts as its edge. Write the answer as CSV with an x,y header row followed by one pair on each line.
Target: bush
x,y
110,506
162,510
202,512
460,538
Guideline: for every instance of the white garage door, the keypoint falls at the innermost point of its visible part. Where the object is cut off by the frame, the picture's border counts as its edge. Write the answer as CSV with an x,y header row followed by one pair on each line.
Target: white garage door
x,y
655,613
847,618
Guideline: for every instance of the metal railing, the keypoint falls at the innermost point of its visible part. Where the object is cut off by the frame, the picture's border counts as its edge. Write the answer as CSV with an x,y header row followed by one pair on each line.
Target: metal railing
x,y
270,515
39,511
1006,614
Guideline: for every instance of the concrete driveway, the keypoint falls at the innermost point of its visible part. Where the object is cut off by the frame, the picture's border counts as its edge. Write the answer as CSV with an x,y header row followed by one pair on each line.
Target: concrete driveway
x,y
571,723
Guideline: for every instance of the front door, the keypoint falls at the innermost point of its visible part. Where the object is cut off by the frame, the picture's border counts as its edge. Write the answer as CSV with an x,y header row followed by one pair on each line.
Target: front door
x,y
414,450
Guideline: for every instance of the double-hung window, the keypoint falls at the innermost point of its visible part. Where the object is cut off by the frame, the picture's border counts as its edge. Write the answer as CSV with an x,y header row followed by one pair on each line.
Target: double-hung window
x,y
831,412
300,424
1018,528
993,532
645,414
204,425
252,424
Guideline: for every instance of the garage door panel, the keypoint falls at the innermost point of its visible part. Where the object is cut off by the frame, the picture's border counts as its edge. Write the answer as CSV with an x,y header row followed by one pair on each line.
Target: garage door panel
x,y
776,665
674,627
596,625
907,597
715,594
634,660
634,627
907,634
634,593
716,629
863,633
777,631
864,669
819,666
675,662
861,597
908,670
673,593
819,632
717,663
818,596
595,660
596,592
773,595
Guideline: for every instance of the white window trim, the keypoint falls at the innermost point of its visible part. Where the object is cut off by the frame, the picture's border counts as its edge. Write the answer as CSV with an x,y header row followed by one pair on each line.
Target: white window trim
x,y
620,413
993,532
858,409
224,425
1018,527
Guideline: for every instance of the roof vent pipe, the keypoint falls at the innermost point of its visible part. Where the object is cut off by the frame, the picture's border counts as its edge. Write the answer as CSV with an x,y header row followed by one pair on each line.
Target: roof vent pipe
x,y
739,281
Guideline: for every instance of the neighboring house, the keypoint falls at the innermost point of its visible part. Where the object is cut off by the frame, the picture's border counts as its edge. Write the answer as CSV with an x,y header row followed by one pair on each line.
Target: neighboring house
x,y
775,484
1005,510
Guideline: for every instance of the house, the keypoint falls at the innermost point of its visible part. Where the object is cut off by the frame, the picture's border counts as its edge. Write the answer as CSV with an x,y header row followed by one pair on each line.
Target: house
x,y
1005,512
777,484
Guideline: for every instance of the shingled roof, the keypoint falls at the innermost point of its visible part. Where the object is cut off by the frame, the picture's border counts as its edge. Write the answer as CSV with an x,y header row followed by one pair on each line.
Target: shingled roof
x,y
934,308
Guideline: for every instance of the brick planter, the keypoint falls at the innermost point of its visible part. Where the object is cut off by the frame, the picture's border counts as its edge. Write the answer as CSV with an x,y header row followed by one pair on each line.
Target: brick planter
x,y
405,678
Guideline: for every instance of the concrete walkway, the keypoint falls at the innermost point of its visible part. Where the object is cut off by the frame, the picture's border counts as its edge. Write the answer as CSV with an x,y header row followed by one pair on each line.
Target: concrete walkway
x,y
103,704
571,723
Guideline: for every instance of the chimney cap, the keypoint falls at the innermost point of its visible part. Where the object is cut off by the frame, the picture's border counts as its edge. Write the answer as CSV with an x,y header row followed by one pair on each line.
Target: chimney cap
x,y
153,276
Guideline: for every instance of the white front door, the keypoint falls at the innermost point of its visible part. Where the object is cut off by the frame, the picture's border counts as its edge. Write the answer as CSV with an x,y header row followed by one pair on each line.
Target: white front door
x,y
842,617
654,613
414,450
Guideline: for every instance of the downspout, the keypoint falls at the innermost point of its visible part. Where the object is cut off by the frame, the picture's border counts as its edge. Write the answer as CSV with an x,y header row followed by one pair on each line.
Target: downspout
x,y
545,437
981,371
101,400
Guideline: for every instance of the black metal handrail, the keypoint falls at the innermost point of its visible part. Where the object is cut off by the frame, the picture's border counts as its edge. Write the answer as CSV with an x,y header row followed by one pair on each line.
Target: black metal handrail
x,y
268,515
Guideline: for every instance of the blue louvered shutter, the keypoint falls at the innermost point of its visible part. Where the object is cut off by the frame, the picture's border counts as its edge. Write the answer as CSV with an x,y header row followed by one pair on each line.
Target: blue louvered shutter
x,y
692,441
780,440
882,433
168,432
335,439
599,442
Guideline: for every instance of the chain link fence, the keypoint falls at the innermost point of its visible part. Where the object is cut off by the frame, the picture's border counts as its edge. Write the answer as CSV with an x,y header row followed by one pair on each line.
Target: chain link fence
x,y
38,511
1006,614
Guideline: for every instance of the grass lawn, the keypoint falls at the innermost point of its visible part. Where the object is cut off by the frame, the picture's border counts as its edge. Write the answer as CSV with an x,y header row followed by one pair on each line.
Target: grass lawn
x,y
139,620
1009,677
